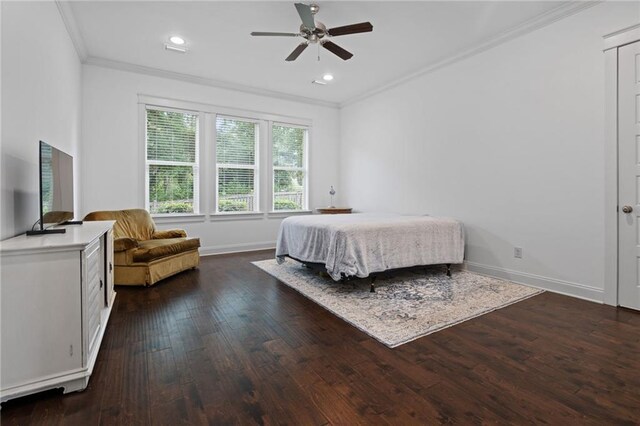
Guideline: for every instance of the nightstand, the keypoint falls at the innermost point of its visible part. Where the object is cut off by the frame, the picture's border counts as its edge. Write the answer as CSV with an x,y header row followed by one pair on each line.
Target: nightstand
x,y
334,210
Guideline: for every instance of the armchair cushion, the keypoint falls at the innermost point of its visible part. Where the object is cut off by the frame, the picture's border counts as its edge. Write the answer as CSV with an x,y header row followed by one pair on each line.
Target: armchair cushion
x,y
155,249
171,233
132,223
124,243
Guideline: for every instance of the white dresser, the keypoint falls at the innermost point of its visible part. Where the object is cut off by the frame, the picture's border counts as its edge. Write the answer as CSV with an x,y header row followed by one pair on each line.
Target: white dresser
x,y
56,294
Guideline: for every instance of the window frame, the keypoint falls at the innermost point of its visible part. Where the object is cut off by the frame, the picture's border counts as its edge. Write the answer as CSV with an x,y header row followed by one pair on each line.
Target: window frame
x,y
256,167
206,145
304,168
195,165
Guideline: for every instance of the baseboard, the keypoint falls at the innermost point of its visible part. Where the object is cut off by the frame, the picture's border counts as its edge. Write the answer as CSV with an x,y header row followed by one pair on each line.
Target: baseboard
x,y
567,288
237,248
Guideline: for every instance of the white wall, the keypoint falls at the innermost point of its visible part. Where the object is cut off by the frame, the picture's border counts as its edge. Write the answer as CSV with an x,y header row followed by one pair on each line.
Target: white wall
x,y
113,157
41,86
510,142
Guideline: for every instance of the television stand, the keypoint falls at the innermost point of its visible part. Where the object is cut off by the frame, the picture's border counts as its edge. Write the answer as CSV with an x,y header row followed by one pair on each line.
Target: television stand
x,y
57,295
46,231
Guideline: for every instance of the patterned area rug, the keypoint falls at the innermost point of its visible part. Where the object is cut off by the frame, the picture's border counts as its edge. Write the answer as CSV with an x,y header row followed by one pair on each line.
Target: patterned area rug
x,y
407,304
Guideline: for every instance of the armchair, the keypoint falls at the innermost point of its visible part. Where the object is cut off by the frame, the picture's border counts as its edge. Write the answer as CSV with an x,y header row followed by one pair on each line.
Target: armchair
x,y
144,255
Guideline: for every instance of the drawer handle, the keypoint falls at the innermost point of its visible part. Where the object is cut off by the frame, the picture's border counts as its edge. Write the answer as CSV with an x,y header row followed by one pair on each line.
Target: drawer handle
x,y
110,267
100,283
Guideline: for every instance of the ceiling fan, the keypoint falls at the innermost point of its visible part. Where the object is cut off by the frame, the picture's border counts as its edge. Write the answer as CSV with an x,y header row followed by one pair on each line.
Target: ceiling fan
x,y
316,32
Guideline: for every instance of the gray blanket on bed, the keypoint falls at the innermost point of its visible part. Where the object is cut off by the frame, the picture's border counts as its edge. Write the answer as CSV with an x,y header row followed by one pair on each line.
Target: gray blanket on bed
x,y
360,244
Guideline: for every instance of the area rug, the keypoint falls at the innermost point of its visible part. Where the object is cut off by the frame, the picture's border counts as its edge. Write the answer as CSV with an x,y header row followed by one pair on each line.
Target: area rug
x,y
407,304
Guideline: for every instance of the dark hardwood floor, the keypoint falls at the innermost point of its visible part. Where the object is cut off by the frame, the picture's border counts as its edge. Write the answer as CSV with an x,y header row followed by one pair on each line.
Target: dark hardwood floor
x,y
229,344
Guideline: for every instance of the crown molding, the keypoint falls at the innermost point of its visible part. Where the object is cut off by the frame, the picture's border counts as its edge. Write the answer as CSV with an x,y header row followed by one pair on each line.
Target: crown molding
x,y
540,21
64,8
155,72
621,37
70,22
526,27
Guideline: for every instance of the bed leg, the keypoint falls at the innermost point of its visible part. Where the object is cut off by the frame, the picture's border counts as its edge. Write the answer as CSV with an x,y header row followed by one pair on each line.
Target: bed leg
x,y
373,284
448,269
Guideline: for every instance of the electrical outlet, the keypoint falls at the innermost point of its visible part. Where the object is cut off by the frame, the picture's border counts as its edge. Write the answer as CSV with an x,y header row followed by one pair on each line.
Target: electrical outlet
x,y
517,252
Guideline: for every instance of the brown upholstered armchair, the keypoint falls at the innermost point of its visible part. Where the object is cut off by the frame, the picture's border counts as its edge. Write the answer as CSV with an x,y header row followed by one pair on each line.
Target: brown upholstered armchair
x,y
143,255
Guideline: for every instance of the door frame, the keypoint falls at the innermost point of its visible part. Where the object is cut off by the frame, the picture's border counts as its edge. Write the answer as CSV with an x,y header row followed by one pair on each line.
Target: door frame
x,y
612,42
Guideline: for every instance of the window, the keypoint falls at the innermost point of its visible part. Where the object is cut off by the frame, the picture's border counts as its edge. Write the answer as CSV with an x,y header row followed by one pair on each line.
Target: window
x,y
216,163
289,154
171,161
236,165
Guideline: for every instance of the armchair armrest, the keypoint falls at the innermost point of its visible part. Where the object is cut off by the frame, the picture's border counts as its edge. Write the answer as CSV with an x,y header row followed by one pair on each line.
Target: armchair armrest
x,y
171,233
123,244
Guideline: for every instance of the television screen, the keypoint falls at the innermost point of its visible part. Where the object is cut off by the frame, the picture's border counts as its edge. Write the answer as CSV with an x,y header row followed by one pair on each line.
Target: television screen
x,y
56,186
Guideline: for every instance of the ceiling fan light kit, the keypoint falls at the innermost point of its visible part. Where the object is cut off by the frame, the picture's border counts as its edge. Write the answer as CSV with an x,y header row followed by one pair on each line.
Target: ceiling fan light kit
x,y
315,32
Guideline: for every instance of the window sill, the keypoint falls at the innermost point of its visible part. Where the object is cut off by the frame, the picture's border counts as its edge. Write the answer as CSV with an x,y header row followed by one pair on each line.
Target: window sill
x,y
286,213
177,218
236,216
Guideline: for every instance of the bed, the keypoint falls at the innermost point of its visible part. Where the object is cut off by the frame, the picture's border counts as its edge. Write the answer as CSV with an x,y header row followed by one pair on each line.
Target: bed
x,y
359,245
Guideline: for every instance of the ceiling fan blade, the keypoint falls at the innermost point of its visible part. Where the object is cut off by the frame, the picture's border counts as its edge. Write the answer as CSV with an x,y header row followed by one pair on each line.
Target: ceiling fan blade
x,y
362,27
337,50
304,10
296,52
263,33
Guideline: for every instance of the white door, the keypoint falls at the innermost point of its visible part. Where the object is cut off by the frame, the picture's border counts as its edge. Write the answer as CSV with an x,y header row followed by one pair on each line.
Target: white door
x,y
629,178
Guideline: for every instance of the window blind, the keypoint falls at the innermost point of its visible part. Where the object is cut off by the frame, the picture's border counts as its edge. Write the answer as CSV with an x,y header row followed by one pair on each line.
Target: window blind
x,y
289,146
172,161
236,158
171,136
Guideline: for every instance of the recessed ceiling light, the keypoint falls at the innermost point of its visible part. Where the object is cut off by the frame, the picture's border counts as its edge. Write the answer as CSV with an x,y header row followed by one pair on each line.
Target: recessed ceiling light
x,y
177,40
327,77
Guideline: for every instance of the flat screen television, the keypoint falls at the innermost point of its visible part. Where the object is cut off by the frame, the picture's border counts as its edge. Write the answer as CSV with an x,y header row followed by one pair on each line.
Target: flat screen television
x,y
56,190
